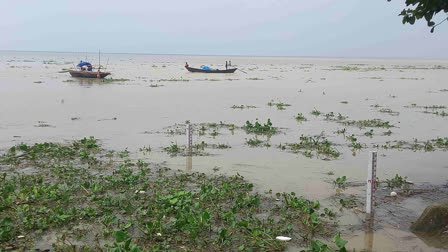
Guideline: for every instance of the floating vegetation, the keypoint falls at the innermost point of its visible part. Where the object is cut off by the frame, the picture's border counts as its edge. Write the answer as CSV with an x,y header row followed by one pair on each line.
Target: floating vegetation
x,y
258,128
369,133
156,85
347,68
348,202
254,142
214,133
49,62
255,78
174,79
435,107
341,131
42,124
387,133
221,146
356,68
242,106
443,90
109,80
427,146
279,105
300,117
135,207
38,82
146,149
315,112
443,113
396,182
340,181
173,148
389,111
369,123
344,102
309,145
354,142
108,119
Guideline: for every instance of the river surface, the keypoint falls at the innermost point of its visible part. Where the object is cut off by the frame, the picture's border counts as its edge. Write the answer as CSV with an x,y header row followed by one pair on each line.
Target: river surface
x,y
39,104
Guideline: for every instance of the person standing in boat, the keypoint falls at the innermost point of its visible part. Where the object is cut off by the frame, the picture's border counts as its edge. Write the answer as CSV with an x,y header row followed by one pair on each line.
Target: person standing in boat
x,y
226,65
186,64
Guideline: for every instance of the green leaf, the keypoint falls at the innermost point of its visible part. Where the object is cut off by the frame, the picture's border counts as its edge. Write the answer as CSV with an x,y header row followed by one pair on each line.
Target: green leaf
x,y
120,236
340,243
127,244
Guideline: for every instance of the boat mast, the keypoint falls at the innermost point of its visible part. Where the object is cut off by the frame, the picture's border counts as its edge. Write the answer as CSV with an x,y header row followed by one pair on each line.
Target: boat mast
x,y
99,59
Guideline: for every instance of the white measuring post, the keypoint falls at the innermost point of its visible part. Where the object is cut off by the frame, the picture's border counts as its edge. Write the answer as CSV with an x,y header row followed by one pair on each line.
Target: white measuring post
x,y
371,181
190,136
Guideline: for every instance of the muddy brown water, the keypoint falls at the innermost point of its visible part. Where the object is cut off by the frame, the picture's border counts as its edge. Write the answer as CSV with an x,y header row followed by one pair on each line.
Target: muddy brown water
x,y
39,104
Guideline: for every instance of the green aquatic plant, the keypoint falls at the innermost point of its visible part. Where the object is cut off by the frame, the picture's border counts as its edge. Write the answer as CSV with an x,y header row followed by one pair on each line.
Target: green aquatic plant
x,y
315,112
258,128
369,133
369,123
173,148
340,181
254,141
279,105
388,111
308,144
109,80
300,117
242,106
396,182
214,133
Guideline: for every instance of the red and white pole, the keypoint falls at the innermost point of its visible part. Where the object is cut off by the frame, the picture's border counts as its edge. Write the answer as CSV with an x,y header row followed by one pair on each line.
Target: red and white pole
x,y
371,182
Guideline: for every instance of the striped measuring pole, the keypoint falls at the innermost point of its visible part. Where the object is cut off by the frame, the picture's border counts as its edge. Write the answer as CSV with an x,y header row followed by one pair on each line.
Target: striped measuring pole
x,y
371,182
190,136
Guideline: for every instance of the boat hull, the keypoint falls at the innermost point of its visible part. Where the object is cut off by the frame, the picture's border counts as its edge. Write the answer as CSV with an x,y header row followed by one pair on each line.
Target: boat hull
x,y
87,74
198,70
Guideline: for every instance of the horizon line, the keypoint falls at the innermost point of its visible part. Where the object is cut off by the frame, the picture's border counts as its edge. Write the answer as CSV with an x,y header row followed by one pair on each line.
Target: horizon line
x,y
233,55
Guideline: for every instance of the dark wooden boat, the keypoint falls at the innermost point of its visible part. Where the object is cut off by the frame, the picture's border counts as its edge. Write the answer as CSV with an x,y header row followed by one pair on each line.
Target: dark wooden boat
x,y
87,74
198,70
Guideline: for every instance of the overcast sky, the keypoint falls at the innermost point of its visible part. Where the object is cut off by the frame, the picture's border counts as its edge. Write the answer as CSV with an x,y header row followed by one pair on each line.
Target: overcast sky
x,y
343,28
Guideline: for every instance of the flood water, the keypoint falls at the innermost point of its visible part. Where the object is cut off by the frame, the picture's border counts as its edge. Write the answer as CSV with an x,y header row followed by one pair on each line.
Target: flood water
x,y
39,104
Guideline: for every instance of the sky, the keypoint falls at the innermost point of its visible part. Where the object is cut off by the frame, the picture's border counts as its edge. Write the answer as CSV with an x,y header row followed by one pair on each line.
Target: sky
x,y
316,28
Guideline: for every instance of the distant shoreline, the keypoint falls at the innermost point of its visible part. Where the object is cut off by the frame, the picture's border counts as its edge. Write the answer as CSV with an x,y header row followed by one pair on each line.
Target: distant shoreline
x,y
218,55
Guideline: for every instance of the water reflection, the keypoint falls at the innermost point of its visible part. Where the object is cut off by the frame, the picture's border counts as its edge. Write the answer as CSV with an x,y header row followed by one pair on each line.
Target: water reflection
x,y
368,233
189,163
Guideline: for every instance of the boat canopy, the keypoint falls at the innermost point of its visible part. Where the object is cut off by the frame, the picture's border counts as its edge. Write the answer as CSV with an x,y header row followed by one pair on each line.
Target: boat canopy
x,y
205,68
83,63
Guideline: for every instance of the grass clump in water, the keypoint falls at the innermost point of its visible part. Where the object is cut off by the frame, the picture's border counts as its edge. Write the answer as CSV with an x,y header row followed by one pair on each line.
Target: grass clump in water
x,y
258,128
316,112
369,123
109,80
317,144
242,106
279,105
300,117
